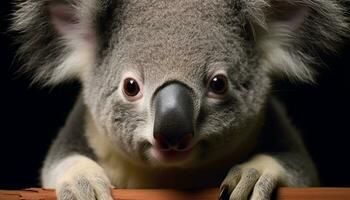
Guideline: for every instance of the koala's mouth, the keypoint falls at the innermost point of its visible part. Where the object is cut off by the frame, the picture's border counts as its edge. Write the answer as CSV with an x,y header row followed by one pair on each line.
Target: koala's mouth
x,y
171,155
164,151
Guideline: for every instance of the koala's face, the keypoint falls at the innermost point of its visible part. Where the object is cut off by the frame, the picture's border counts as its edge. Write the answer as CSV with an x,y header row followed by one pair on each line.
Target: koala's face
x,y
175,82
178,87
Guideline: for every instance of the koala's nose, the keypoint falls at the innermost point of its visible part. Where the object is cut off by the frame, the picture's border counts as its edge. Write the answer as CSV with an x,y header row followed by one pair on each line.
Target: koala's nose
x,y
173,125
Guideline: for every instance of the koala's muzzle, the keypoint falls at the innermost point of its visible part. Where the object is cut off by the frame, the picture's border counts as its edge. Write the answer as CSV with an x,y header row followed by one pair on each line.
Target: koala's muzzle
x,y
173,125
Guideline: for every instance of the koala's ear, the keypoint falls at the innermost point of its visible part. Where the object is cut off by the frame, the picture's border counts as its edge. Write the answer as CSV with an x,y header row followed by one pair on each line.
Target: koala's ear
x,y
289,33
57,38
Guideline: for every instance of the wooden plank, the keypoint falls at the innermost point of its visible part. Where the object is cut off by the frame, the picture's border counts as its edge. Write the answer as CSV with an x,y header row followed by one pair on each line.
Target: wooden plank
x,y
313,193
28,194
208,194
205,194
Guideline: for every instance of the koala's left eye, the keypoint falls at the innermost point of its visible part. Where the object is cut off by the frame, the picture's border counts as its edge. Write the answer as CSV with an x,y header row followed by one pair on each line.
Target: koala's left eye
x,y
217,86
131,89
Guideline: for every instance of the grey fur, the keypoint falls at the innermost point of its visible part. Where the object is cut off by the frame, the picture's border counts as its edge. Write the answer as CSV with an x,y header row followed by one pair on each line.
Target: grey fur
x,y
70,139
157,42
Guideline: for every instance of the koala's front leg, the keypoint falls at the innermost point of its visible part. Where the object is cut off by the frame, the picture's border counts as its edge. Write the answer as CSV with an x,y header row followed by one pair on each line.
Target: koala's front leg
x,y
285,162
78,177
70,167
256,178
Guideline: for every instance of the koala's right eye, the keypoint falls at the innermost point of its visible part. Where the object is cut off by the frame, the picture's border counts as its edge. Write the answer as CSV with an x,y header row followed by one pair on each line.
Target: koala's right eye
x,y
131,89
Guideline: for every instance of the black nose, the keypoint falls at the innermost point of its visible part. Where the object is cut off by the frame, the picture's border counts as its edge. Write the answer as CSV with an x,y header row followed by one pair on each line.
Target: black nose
x,y
173,125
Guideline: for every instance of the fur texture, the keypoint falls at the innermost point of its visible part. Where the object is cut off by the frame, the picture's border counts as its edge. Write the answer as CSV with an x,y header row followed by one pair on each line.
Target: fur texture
x,y
53,55
239,136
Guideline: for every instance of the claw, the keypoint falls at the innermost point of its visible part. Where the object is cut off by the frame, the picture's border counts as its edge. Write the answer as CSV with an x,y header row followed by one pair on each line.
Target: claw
x,y
224,193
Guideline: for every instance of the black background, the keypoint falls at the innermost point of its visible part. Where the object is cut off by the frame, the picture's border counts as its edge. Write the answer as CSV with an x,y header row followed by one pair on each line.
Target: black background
x,y
31,117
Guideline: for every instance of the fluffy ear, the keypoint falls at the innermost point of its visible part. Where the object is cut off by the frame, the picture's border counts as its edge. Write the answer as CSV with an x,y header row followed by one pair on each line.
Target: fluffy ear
x,y
288,33
57,37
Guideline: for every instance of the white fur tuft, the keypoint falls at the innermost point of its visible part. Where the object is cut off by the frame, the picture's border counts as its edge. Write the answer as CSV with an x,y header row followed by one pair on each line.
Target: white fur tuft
x,y
80,58
287,33
279,57
79,39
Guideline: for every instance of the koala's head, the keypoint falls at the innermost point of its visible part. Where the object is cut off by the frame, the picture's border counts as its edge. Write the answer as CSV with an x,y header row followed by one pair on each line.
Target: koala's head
x,y
175,82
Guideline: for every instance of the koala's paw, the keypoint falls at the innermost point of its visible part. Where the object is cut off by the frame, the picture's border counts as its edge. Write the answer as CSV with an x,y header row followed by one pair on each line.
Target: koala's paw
x,y
84,187
253,180
78,178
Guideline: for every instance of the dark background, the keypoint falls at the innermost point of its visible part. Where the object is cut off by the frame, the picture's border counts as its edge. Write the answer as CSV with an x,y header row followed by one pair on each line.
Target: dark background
x,y
31,117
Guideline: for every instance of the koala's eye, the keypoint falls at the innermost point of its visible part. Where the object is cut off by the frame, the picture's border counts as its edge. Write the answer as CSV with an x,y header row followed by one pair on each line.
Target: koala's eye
x,y
218,85
131,88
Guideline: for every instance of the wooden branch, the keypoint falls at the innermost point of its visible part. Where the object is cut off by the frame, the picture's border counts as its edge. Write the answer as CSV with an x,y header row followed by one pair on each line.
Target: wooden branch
x,y
207,194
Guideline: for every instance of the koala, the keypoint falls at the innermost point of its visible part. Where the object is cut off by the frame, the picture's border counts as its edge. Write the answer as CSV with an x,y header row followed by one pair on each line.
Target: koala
x,y
176,94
